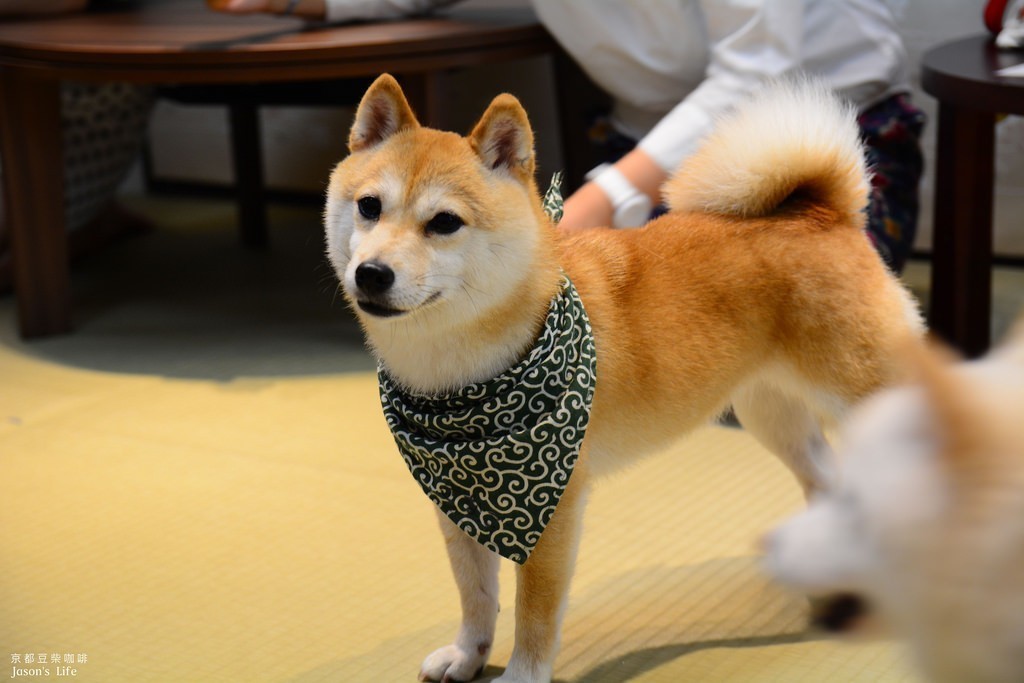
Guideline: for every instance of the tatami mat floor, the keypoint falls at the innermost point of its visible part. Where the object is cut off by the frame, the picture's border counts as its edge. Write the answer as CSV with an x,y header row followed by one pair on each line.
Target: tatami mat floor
x,y
197,485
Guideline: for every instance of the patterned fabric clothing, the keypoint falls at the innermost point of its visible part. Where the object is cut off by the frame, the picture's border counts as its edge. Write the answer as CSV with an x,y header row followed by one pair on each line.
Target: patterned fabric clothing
x,y
103,129
496,456
891,131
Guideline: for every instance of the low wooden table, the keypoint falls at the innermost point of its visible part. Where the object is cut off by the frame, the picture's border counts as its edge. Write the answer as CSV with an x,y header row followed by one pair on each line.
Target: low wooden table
x,y
178,42
961,75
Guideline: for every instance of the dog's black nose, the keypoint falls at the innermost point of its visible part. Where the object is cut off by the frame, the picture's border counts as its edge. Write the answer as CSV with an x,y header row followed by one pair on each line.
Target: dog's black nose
x,y
373,277
838,613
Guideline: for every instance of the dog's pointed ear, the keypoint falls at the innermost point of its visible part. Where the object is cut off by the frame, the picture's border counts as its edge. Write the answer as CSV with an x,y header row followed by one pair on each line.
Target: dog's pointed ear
x,y
503,139
382,112
958,407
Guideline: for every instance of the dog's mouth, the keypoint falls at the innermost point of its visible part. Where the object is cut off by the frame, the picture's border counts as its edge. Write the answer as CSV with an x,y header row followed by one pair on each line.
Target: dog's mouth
x,y
380,310
839,613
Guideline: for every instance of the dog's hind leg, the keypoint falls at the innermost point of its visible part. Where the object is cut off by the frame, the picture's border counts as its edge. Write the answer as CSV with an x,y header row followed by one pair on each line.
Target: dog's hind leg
x,y
785,425
476,573
542,589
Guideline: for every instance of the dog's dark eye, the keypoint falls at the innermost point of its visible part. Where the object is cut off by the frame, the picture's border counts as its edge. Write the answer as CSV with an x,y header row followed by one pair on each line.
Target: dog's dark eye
x,y
444,223
369,208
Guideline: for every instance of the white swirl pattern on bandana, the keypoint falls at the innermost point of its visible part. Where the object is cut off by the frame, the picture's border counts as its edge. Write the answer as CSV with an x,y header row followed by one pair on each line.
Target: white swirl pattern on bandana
x,y
496,456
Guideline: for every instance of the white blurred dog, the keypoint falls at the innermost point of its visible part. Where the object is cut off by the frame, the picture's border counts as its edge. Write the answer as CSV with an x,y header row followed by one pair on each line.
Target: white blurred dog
x,y
926,527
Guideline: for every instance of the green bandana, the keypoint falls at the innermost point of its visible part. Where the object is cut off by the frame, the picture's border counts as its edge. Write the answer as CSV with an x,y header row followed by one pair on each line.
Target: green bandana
x,y
552,201
496,456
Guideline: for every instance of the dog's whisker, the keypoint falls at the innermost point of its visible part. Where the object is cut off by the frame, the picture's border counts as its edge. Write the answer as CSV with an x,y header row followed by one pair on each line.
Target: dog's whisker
x,y
459,279
472,302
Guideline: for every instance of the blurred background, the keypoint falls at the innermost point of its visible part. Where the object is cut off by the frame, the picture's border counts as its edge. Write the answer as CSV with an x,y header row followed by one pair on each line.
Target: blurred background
x,y
198,483
191,143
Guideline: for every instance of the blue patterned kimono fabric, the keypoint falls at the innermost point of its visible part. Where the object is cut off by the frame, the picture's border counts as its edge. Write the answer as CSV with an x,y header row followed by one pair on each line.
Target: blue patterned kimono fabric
x,y
496,456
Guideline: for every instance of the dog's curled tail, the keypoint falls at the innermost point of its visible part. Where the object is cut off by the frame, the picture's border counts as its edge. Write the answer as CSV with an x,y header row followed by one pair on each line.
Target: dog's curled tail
x,y
793,140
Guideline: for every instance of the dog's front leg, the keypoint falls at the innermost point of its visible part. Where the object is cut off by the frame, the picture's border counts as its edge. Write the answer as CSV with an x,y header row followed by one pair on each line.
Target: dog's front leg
x,y
476,574
542,590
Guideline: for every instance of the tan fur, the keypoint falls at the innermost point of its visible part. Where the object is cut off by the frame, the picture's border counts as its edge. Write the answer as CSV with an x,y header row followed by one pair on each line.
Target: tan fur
x,y
756,159
978,420
927,524
965,621
773,300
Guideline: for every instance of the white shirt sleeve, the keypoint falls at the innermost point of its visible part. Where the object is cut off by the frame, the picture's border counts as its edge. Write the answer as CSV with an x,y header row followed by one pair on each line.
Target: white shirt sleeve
x,y
348,10
751,42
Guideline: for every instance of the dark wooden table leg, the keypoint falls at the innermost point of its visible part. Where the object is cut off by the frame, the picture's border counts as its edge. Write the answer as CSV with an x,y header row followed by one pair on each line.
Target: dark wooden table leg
x,y
33,171
247,156
961,296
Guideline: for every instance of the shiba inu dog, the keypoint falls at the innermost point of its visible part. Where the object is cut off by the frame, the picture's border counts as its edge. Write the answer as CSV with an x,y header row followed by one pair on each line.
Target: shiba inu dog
x,y
759,289
926,527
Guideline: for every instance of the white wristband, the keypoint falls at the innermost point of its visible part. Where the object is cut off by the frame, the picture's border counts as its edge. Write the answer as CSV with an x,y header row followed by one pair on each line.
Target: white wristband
x,y
631,207
615,185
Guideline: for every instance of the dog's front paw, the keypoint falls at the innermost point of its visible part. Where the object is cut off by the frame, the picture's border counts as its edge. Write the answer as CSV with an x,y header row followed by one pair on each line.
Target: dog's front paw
x,y
453,663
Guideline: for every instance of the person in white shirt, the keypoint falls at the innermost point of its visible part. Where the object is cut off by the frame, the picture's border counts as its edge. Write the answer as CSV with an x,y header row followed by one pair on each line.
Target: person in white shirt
x,y
672,66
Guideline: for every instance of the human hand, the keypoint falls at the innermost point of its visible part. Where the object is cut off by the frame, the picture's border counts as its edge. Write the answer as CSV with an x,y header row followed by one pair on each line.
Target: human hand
x,y
591,207
239,6
588,207
309,9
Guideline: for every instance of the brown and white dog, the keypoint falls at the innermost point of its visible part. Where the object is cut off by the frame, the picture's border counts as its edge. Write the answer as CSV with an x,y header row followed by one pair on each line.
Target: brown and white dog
x,y
758,289
925,529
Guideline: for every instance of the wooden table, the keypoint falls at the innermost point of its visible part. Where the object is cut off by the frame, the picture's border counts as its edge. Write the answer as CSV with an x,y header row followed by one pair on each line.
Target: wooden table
x,y
180,41
961,76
